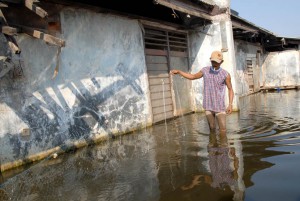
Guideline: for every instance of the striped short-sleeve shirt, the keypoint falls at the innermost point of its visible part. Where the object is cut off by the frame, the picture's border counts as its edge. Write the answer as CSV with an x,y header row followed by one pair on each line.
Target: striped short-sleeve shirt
x,y
214,89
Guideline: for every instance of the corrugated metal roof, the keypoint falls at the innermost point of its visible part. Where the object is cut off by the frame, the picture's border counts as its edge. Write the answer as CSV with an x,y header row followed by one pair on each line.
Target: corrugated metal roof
x,y
290,38
254,25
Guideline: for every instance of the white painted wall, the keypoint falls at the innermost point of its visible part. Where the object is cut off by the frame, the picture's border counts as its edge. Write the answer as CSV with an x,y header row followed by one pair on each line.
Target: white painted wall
x,y
282,68
220,3
244,50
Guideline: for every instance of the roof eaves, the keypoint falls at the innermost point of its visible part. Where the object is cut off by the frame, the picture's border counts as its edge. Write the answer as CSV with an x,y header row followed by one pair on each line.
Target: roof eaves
x,y
290,38
254,25
208,2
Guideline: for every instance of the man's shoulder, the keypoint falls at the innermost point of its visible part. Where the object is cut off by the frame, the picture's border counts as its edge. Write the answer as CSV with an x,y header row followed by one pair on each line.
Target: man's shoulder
x,y
224,71
205,68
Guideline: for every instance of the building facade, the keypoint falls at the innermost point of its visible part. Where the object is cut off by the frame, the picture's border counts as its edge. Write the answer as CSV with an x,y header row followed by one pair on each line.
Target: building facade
x,y
74,74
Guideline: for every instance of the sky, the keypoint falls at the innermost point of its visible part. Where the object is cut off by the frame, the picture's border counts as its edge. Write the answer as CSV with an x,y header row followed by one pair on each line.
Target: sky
x,y
282,17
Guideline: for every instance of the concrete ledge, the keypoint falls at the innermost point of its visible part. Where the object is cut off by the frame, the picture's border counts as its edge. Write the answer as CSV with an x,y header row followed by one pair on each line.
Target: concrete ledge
x,y
52,152
278,88
67,147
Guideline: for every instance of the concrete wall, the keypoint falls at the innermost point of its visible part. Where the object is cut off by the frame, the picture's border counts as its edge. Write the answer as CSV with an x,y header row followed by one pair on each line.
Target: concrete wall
x,y
101,87
282,68
272,69
220,3
3,52
244,51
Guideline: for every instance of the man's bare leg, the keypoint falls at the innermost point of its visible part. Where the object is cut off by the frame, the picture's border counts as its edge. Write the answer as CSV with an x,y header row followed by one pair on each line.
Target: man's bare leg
x,y
221,118
210,116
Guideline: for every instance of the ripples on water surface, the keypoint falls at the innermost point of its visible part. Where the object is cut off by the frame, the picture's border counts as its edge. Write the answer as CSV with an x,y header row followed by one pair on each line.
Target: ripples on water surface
x,y
258,161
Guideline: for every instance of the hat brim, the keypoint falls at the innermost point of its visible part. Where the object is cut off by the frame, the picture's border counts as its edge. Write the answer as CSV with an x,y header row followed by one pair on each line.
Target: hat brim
x,y
216,60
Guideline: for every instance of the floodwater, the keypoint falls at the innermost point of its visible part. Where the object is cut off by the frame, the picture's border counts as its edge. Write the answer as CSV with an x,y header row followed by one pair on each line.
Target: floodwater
x,y
180,160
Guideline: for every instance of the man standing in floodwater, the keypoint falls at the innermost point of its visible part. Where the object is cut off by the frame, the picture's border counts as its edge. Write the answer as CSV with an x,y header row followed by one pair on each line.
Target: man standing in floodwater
x,y
215,79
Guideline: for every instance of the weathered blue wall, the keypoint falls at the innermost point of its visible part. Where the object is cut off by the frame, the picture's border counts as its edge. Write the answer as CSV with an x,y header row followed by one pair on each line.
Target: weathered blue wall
x,y
101,87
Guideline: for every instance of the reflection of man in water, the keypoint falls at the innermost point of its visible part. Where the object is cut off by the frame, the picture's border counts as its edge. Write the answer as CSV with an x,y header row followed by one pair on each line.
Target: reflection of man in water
x,y
223,164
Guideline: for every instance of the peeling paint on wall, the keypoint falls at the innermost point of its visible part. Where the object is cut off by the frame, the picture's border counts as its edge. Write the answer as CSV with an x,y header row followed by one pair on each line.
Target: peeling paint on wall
x,y
99,90
282,68
244,51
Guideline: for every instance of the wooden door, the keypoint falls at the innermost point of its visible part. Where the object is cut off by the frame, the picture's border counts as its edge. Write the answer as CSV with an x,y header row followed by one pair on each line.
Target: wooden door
x,y
249,70
161,49
158,74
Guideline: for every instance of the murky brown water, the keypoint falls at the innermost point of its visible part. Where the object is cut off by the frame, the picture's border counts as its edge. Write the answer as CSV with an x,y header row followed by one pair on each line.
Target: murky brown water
x,y
258,161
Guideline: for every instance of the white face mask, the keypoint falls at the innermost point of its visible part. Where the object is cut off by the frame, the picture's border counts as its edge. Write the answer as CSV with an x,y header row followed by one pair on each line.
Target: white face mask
x,y
213,70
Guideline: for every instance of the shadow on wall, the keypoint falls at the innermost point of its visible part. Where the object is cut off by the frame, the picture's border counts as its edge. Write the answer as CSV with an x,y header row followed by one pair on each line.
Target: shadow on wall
x,y
52,123
96,92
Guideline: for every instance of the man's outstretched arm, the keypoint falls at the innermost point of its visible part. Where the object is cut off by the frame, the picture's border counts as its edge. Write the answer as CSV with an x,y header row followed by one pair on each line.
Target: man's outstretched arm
x,y
187,75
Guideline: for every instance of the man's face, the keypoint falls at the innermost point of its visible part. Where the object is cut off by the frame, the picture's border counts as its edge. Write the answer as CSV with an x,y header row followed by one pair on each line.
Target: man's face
x,y
216,64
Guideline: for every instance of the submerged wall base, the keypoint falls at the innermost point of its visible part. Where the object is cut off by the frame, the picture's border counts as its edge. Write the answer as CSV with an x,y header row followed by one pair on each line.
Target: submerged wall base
x,y
54,152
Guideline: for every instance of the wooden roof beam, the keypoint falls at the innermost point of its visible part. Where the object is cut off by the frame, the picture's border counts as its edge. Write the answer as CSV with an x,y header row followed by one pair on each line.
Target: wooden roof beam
x,y
38,10
12,1
12,43
43,36
3,5
243,27
8,30
176,5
